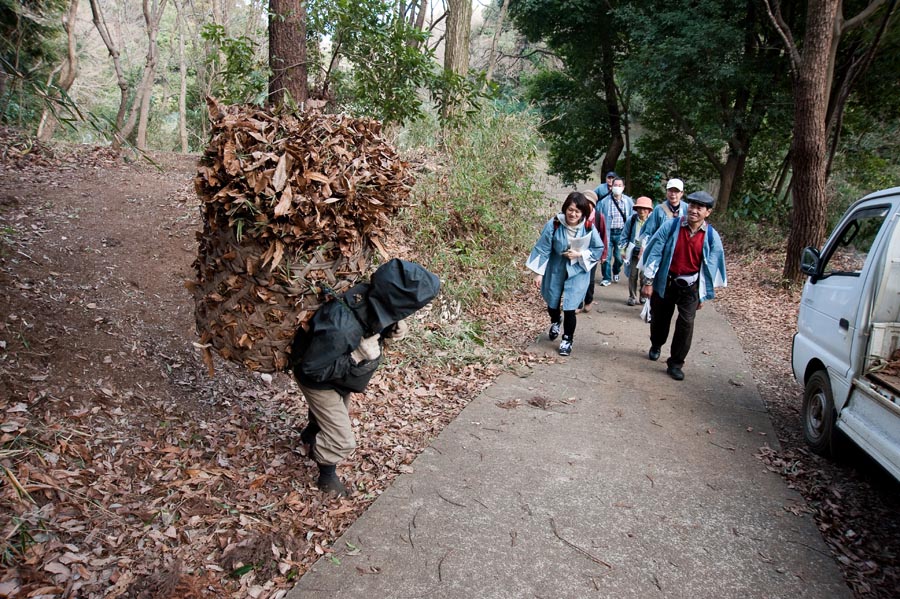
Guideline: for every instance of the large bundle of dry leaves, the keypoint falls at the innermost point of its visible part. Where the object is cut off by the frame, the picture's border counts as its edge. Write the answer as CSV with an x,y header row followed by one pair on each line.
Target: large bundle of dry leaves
x,y
292,205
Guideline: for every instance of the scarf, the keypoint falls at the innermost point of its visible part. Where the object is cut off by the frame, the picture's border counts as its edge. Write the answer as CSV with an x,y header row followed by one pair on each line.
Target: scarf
x,y
571,232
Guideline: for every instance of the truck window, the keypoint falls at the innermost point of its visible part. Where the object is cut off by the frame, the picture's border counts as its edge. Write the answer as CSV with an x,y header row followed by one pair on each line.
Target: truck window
x,y
849,252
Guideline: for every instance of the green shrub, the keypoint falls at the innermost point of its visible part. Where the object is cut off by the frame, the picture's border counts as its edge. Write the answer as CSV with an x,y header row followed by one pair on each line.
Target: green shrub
x,y
474,212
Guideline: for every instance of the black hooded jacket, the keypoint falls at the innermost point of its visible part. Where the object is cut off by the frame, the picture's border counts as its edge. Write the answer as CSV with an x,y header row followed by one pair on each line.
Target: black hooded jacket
x,y
396,290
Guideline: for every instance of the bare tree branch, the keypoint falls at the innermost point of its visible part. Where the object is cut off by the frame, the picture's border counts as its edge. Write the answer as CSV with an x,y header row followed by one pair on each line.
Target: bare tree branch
x,y
862,16
784,31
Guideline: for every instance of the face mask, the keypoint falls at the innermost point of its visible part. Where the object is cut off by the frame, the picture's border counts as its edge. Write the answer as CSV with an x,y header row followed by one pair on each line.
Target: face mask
x,y
618,190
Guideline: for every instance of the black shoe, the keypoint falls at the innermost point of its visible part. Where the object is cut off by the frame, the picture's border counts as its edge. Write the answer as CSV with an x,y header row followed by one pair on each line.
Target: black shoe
x,y
329,482
554,331
308,438
565,346
675,372
654,353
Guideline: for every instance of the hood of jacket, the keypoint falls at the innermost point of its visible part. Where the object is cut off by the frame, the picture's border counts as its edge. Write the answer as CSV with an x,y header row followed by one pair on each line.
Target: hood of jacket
x,y
396,290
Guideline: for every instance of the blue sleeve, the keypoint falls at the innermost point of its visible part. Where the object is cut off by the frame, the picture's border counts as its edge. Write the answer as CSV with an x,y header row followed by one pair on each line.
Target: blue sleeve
x,y
653,250
596,246
650,227
540,255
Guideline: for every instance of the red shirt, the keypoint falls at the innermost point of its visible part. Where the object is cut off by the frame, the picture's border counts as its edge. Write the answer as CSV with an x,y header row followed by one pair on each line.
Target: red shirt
x,y
688,252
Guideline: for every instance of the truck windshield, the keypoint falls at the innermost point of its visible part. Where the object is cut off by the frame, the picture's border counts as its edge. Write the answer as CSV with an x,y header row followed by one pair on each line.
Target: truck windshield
x,y
849,252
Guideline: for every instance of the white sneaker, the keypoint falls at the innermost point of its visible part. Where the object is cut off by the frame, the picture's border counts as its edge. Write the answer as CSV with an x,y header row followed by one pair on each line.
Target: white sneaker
x,y
554,330
604,283
615,278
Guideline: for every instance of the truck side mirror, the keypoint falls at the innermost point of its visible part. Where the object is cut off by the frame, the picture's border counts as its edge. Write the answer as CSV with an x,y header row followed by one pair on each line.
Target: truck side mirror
x,y
809,263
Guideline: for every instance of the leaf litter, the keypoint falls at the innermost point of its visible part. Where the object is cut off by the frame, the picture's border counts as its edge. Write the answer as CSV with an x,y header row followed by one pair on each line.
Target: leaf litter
x,y
126,470
852,501
157,486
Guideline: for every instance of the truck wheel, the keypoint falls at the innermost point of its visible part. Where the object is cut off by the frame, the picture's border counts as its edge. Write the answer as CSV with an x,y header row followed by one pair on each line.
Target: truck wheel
x,y
818,413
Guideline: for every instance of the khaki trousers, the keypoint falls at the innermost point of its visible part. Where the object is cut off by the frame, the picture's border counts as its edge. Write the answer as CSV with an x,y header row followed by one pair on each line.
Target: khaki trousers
x,y
335,440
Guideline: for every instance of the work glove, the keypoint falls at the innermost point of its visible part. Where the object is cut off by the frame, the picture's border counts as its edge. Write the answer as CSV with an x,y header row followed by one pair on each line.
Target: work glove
x,y
396,332
368,349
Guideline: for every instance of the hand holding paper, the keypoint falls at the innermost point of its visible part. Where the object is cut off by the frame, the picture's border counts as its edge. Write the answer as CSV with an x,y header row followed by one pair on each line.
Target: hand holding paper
x,y
577,247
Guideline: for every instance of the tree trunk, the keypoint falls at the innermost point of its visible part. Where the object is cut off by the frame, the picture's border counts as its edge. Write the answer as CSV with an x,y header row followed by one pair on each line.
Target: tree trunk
x,y
416,19
182,70
459,24
492,58
627,128
420,18
141,105
152,16
729,179
287,51
809,146
103,30
612,105
851,73
456,43
199,55
67,74
782,177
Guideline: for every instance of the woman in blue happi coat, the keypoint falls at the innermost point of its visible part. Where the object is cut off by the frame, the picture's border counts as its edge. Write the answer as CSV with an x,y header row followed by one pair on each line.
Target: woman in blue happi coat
x,y
562,258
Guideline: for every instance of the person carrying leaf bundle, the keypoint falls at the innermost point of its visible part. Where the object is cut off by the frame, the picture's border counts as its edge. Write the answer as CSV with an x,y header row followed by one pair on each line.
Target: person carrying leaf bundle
x,y
340,351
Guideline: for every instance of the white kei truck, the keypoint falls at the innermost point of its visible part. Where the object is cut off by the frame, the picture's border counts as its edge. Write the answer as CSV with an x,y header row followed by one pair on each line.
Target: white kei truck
x,y
845,352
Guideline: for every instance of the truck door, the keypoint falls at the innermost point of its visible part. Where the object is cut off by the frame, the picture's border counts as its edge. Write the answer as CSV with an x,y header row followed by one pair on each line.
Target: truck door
x,y
833,300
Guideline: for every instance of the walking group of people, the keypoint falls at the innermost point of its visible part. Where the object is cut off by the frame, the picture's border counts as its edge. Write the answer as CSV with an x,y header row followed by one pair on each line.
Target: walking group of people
x,y
671,255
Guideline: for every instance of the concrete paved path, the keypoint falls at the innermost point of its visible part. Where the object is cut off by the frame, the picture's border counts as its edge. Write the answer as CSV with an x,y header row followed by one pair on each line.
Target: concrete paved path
x,y
608,479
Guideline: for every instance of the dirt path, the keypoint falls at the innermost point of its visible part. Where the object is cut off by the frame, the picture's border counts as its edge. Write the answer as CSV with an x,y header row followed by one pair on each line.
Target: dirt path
x,y
98,251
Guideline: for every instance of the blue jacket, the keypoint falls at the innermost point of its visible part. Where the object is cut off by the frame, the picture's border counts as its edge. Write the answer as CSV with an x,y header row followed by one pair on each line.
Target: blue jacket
x,y
602,191
660,215
661,247
606,208
632,233
561,277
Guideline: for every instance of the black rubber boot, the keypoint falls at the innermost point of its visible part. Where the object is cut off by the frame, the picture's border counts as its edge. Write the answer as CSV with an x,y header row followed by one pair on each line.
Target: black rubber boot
x,y
329,481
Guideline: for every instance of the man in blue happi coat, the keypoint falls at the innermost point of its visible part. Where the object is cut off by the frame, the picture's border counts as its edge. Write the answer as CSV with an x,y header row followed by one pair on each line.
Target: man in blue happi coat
x,y
683,263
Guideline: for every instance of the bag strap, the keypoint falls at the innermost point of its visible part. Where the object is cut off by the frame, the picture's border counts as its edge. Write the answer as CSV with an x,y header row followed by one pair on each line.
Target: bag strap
x,y
629,227
340,299
622,212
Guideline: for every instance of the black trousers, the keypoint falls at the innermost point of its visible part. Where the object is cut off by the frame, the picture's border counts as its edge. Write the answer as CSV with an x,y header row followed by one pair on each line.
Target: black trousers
x,y
686,299
589,294
568,318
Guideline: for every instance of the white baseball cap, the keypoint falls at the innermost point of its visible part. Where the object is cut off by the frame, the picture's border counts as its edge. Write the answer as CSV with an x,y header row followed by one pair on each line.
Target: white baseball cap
x,y
676,183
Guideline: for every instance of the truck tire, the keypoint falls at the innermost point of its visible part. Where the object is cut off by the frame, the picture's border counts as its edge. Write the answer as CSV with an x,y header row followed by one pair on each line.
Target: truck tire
x,y
819,414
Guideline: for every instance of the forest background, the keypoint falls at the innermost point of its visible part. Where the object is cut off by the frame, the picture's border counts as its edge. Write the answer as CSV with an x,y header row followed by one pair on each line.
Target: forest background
x,y
703,90
786,111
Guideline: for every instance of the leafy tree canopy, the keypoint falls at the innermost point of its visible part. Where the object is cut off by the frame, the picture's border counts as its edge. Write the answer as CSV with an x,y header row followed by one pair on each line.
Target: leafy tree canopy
x,y
30,48
575,130
707,71
571,100
386,60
